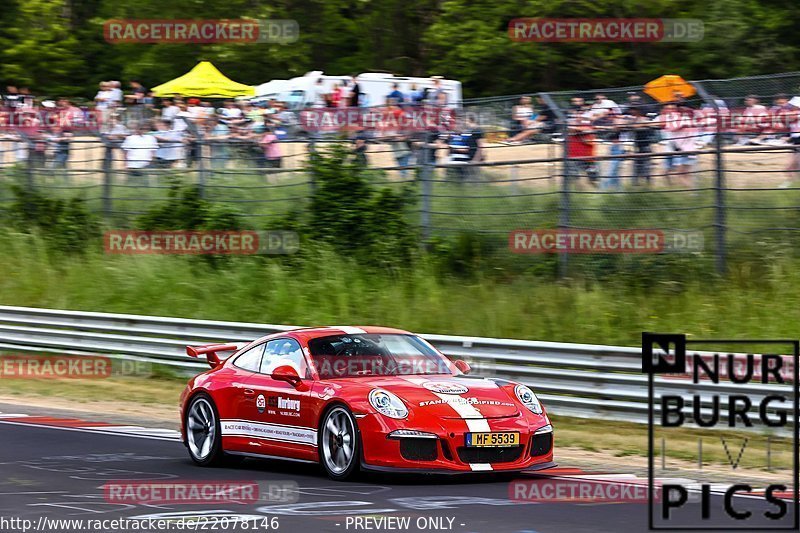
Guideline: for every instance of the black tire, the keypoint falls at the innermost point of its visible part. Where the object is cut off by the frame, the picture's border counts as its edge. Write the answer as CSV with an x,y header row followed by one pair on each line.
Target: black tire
x,y
339,444
202,412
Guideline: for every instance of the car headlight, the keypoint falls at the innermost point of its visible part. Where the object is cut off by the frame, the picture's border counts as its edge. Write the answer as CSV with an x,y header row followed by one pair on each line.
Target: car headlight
x,y
387,404
528,399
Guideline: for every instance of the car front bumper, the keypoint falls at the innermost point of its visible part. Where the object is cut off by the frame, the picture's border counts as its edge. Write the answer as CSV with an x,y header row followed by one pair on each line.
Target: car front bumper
x,y
445,450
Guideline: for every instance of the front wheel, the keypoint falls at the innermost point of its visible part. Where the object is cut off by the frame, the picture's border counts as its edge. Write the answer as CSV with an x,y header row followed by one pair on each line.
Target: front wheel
x,y
339,444
203,434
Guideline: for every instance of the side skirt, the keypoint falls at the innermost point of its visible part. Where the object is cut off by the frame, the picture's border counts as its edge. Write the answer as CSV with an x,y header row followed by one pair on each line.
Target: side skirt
x,y
275,457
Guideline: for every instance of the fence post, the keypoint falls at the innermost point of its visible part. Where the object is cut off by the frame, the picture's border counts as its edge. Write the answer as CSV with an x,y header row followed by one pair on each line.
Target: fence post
x,y
426,173
108,158
720,222
24,137
564,201
719,185
564,207
201,162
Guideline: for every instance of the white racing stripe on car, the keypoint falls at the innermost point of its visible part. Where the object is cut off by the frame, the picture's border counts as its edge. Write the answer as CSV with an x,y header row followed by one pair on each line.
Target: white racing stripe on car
x,y
476,423
349,330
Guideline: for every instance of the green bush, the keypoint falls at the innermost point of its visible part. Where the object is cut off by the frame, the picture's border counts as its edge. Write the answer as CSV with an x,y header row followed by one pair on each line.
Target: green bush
x,y
186,210
66,224
355,218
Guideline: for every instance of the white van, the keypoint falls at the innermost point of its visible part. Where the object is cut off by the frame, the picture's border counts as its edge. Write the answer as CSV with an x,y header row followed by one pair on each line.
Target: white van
x,y
298,92
268,90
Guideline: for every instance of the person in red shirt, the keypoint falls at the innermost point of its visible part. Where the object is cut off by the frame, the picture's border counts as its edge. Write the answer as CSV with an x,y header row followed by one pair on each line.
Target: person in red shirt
x,y
337,94
580,144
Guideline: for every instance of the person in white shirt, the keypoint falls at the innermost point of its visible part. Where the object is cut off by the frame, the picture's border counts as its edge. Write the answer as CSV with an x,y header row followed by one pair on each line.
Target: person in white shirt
x,y
139,150
318,94
793,118
603,106
115,92
231,114
754,116
170,144
169,110
103,97
181,117
196,111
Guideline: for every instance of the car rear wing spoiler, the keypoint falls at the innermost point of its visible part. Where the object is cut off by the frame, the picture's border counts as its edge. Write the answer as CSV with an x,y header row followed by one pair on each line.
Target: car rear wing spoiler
x,y
210,351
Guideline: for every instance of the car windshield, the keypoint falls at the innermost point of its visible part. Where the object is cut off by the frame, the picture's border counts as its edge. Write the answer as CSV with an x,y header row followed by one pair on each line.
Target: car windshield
x,y
369,354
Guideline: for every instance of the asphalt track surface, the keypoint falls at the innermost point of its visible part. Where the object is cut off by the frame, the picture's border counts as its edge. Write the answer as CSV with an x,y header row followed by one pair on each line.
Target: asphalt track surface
x,y
60,473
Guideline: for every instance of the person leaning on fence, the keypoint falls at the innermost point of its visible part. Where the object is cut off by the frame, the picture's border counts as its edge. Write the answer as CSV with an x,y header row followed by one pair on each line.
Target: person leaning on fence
x,y
612,123
521,113
527,120
136,100
792,169
401,149
170,144
680,136
169,110
644,136
216,135
38,151
780,114
69,116
60,139
360,148
458,144
580,144
753,117
139,148
272,150
231,114
475,147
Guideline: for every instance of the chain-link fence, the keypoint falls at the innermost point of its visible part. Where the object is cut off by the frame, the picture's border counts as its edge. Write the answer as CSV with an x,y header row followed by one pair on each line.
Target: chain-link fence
x,y
577,181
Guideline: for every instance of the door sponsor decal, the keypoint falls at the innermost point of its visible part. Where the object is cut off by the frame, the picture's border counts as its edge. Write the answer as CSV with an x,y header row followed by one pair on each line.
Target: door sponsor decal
x,y
281,432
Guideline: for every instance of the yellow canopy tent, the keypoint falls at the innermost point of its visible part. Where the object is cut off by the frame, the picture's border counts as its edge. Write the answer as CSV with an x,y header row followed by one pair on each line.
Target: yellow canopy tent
x,y
203,81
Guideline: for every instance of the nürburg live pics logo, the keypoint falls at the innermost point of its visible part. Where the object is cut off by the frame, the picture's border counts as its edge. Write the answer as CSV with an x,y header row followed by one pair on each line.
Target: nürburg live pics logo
x,y
722,432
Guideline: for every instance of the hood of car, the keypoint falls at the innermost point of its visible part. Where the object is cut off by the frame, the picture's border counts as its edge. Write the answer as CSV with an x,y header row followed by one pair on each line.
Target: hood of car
x,y
450,397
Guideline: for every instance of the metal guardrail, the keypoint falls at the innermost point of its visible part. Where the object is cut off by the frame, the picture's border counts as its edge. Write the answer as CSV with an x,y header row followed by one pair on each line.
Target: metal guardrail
x,y
582,380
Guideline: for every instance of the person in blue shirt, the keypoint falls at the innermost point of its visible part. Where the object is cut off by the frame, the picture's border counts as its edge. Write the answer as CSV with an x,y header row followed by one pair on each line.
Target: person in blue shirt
x,y
395,95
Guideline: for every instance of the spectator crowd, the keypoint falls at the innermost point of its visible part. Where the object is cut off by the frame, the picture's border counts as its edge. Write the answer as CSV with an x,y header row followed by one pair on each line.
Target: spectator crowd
x,y
607,143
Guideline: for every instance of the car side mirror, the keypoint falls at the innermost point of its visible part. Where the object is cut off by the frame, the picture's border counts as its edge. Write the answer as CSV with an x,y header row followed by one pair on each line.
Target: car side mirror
x,y
463,366
286,373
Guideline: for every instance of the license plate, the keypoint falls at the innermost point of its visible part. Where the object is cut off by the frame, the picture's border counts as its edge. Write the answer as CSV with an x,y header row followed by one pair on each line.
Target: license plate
x,y
492,439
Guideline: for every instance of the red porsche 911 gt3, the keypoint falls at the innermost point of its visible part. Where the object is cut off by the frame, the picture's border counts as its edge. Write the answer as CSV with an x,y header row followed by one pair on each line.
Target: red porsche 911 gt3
x,y
355,398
